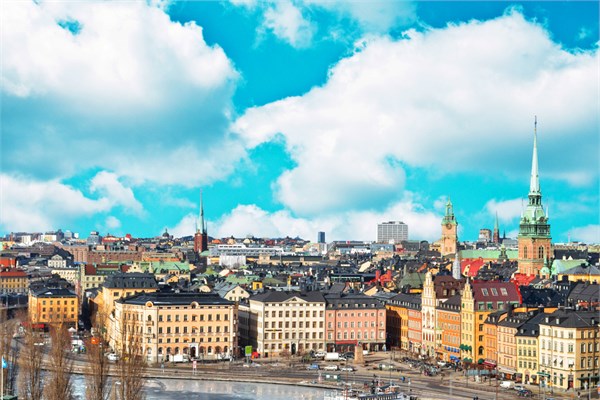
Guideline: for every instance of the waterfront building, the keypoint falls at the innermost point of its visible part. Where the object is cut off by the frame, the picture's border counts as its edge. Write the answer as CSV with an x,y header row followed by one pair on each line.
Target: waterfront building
x,y
569,348
507,330
121,285
479,299
527,349
534,230
201,325
354,319
290,321
448,323
48,306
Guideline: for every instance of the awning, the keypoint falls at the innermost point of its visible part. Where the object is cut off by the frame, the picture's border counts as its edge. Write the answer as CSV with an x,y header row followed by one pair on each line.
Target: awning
x,y
489,364
454,358
506,370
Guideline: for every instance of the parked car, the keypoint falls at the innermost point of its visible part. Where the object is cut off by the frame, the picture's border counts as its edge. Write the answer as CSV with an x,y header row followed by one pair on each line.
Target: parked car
x,y
507,384
348,369
349,355
519,387
525,393
320,354
331,368
112,357
312,367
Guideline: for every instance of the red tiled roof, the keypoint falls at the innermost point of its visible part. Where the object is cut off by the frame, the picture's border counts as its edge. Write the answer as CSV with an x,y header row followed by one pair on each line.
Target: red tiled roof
x,y
13,274
471,266
494,291
522,279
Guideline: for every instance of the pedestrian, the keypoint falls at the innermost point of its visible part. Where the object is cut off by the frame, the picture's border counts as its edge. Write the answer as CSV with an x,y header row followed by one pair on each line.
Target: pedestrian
x,y
578,394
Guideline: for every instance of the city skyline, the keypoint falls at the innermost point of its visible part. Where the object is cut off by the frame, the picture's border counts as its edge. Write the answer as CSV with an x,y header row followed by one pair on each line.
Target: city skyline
x,y
297,117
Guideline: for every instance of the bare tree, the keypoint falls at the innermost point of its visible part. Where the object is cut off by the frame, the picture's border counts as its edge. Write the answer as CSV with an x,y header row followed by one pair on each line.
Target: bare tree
x,y
30,380
131,368
9,349
59,385
98,366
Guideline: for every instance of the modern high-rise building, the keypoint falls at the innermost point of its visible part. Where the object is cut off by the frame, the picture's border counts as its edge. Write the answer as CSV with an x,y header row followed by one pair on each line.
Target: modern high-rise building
x,y
392,232
321,237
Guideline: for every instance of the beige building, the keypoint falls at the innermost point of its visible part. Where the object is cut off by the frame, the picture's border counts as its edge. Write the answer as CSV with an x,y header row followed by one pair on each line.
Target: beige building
x,y
121,285
13,280
69,274
281,321
199,325
569,349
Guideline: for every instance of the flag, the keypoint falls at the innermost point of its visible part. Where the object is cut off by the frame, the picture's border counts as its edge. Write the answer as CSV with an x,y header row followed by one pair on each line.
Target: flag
x,y
4,364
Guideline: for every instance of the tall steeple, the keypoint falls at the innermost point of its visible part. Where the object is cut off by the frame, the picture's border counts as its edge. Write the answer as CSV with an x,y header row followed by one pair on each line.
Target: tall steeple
x,y
534,183
496,233
202,225
201,236
534,229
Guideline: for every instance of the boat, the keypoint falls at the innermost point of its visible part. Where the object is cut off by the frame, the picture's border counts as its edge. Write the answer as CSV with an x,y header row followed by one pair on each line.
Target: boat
x,y
381,393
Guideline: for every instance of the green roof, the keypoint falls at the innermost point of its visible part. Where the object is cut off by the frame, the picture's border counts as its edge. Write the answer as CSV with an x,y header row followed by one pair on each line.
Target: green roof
x,y
560,266
162,267
512,254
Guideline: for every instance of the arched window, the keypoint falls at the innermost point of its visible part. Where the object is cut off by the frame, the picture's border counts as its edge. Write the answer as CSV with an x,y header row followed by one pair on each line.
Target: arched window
x,y
524,252
149,318
541,252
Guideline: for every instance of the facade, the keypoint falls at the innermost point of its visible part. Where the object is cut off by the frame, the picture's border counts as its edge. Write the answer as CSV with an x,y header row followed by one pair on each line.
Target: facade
x,y
428,314
507,344
490,328
294,322
13,281
569,347
415,326
354,320
50,306
479,299
448,243
392,232
69,274
93,275
534,230
121,285
200,325
527,349
448,322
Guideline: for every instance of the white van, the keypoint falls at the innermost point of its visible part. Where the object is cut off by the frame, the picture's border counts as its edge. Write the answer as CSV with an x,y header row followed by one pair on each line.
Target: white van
x,y
507,384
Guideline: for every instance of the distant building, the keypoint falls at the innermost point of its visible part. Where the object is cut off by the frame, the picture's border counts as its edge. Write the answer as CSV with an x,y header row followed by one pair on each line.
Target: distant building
x,y
321,237
94,238
392,232
485,236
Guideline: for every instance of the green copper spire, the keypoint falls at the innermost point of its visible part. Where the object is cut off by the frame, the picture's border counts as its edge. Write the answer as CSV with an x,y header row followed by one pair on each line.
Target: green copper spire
x,y
449,217
534,221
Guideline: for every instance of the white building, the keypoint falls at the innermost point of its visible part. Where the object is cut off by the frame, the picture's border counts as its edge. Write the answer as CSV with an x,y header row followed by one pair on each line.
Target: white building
x,y
392,232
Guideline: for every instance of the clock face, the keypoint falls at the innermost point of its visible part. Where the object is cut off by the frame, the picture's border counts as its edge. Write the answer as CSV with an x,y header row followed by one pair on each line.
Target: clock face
x,y
449,226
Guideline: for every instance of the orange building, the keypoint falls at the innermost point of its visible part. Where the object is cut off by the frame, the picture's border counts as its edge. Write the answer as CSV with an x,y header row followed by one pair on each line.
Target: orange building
x,y
49,306
448,322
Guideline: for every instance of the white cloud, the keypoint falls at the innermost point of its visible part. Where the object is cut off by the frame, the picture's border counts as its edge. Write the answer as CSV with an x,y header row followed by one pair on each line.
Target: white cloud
x,y
355,225
372,16
185,227
112,222
507,210
107,185
130,91
286,21
30,205
587,234
460,98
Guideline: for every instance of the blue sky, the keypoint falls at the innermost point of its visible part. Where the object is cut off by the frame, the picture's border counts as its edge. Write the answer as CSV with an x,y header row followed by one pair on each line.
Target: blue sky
x,y
295,117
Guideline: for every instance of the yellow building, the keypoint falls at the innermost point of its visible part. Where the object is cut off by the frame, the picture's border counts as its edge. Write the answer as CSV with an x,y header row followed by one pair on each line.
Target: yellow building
x,y
50,306
122,285
13,281
479,299
199,325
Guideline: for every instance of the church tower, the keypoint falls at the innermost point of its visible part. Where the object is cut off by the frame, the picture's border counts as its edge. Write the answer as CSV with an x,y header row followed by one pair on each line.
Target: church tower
x,y
449,231
496,233
534,231
201,236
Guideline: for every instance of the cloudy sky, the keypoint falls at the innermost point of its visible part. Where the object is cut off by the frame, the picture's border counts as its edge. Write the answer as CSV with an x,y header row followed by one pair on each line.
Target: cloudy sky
x,y
295,117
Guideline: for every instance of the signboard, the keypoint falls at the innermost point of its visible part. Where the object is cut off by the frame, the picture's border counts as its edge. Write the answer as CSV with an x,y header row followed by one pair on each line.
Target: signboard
x,y
248,351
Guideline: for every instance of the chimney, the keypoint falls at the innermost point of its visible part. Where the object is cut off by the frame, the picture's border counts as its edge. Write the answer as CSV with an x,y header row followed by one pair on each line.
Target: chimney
x,y
377,275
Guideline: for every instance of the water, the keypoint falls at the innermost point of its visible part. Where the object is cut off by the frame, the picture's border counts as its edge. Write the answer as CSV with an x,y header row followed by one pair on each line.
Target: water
x,y
181,389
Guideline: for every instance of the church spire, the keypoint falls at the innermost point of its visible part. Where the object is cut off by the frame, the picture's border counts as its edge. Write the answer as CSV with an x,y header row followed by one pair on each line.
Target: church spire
x,y
534,184
202,226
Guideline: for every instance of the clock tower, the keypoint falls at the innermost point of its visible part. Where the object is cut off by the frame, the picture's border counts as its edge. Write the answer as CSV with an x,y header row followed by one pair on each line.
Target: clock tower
x,y
534,239
449,231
